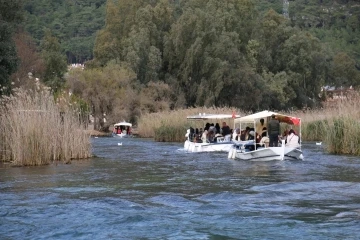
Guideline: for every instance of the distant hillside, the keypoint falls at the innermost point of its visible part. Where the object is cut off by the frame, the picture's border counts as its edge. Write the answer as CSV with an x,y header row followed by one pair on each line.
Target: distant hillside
x,y
334,22
73,22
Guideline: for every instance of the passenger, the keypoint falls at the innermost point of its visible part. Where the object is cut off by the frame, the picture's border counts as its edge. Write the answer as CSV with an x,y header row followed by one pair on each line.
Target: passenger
x,y
225,130
236,134
251,135
207,126
229,136
264,139
273,131
292,140
211,136
264,130
257,137
212,128
204,136
245,134
260,126
192,134
197,136
187,135
217,127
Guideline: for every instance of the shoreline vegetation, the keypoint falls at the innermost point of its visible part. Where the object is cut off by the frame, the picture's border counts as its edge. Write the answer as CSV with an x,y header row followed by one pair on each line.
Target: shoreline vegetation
x,y
33,132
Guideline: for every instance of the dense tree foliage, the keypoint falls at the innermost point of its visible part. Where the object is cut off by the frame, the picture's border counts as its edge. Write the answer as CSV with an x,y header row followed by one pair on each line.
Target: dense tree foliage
x,y
10,15
221,53
74,23
55,62
239,53
30,61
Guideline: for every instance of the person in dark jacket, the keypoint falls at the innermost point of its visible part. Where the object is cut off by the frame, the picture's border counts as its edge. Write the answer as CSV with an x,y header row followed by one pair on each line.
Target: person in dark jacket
x,y
273,129
225,130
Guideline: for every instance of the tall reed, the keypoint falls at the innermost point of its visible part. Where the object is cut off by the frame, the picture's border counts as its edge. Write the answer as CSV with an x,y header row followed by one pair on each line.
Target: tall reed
x,y
337,126
34,133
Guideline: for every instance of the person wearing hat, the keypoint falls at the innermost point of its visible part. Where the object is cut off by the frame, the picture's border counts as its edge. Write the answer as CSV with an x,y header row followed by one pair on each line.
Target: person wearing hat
x,y
273,129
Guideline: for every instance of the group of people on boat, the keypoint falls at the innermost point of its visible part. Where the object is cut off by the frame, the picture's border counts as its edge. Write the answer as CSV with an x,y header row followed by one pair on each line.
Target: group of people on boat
x,y
270,136
263,135
210,133
122,129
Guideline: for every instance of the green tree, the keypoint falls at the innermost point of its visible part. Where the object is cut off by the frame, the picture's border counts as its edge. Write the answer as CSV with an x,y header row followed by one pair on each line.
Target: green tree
x,y
120,18
206,46
55,62
110,92
344,72
10,15
74,23
304,56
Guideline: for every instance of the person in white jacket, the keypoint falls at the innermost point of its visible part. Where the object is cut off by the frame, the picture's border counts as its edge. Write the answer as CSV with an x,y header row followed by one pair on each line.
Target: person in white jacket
x,y
292,140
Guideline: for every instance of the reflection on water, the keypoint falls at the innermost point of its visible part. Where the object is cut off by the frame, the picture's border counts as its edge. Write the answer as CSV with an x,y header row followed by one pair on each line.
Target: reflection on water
x,y
147,190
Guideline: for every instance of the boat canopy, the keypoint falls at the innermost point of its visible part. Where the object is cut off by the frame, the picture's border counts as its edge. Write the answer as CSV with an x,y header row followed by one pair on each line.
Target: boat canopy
x,y
212,116
265,114
123,124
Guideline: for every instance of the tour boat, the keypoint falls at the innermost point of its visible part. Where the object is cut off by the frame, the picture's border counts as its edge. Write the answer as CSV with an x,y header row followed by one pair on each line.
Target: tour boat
x,y
222,143
252,151
122,129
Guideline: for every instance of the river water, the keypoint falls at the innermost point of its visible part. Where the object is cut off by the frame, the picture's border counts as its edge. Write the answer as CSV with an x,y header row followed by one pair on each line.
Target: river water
x,y
148,190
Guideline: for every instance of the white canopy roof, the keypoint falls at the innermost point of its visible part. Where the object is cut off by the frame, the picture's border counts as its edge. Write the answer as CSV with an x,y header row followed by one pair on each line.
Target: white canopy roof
x,y
212,116
265,114
123,124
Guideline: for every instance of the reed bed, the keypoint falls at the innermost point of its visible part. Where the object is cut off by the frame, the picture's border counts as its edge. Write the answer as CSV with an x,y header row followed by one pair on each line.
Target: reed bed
x,y
337,125
34,133
171,125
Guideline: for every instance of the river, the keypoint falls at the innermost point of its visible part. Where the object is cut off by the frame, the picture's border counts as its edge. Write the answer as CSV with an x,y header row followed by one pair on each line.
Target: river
x,y
148,190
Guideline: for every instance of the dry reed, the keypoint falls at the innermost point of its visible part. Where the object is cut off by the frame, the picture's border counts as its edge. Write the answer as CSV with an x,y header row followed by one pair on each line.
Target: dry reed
x,y
337,125
34,133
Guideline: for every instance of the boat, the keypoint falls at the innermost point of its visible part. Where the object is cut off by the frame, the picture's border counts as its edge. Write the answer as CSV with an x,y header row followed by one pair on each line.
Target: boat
x,y
252,151
220,144
122,129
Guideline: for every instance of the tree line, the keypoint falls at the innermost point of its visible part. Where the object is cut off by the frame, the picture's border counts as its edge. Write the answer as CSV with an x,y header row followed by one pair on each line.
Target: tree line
x,y
154,55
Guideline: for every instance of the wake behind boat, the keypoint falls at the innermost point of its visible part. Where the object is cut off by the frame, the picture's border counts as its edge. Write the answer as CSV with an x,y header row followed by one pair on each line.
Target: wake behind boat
x,y
211,138
260,151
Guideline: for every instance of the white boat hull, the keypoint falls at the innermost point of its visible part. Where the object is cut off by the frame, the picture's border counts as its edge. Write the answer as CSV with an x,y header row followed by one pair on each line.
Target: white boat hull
x,y
121,135
207,147
266,154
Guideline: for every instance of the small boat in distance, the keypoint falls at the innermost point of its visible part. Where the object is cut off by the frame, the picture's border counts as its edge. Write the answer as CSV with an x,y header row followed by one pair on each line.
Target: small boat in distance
x,y
122,129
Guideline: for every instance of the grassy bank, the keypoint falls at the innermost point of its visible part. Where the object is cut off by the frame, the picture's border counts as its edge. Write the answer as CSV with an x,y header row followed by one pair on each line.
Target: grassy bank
x,y
33,132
